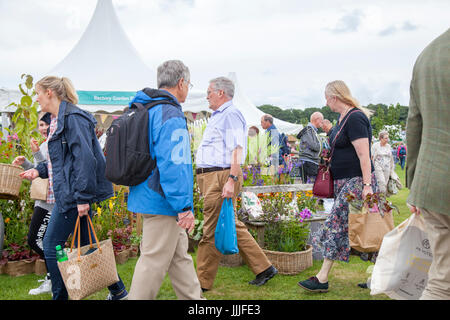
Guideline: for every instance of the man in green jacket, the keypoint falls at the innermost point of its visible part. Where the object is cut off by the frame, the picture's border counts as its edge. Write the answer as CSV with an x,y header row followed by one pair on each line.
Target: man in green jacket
x,y
428,141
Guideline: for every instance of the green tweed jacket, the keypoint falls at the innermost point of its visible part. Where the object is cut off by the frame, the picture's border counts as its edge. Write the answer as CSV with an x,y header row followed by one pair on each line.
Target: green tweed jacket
x,y
428,129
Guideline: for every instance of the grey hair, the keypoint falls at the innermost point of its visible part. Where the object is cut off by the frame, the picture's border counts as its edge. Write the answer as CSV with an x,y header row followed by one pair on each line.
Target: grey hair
x,y
268,117
170,73
224,84
382,134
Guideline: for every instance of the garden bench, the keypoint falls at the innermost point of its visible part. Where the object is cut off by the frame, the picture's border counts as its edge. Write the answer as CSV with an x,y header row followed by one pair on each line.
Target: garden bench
x,y
259,226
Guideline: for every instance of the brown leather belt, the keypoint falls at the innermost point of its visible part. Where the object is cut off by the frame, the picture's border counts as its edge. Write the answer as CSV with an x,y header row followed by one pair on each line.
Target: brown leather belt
x,y
206,170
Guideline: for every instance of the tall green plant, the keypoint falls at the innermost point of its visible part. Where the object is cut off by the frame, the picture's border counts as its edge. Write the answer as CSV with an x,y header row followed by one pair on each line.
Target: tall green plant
x,y
25,119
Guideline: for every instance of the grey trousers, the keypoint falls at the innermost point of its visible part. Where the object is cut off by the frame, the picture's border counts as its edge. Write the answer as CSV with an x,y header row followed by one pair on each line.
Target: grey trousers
x,y
164,250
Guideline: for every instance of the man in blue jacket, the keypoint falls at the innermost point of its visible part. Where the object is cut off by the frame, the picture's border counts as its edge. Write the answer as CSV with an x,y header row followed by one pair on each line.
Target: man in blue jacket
x,y
274,140
165,199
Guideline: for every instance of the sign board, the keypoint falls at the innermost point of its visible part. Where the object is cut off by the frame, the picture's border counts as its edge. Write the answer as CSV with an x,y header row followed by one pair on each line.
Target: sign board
x,y
105,97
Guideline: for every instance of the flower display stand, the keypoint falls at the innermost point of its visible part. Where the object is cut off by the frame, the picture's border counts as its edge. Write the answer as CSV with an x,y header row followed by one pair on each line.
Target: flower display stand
x,y
40,268
291,263
231,260
122,256
19,268
134,251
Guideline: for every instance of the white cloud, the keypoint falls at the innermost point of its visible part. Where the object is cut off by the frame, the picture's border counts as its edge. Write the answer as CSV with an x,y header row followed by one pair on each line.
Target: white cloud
x,y
284,52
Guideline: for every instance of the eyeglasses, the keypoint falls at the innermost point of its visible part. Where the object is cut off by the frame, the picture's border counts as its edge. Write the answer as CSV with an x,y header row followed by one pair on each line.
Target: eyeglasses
x,y
190,85
209,92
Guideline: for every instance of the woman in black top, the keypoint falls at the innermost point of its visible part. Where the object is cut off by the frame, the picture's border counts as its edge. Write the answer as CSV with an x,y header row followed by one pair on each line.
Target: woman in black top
x,y
352,171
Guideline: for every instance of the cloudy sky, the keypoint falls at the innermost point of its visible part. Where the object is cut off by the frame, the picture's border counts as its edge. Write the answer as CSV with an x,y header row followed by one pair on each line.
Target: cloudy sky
x,y
284,52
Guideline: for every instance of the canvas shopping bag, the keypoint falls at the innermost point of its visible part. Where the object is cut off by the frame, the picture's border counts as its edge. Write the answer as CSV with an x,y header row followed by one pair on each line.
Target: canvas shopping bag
x,y
84,275
394,184
225,237
366,228
401,269
39,189
252,205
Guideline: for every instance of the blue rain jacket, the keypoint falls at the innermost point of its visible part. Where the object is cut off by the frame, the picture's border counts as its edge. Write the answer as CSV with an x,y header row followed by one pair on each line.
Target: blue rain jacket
x,y
169,188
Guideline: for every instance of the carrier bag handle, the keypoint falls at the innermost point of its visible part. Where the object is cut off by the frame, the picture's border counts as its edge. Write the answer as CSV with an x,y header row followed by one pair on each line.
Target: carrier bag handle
x,y
77,232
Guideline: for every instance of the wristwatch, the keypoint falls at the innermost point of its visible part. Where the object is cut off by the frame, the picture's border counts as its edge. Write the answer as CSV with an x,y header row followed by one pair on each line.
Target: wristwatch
x,y
233,177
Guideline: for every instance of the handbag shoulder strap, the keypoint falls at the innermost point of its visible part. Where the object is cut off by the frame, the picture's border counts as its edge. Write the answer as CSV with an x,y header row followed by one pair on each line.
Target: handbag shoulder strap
x,y
340,129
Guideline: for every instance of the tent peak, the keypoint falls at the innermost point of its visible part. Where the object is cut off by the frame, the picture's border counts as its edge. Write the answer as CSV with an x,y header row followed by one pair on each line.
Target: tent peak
x,y
104,58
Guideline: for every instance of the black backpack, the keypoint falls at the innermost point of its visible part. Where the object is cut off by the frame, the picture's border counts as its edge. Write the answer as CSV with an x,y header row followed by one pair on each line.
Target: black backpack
x,y
128,158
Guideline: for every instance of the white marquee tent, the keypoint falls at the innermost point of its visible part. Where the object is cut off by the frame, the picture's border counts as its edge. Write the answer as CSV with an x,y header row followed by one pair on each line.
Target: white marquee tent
x,y
107,71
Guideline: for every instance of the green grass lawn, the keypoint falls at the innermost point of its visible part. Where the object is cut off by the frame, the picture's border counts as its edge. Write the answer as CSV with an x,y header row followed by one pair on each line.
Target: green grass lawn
x,y
232,283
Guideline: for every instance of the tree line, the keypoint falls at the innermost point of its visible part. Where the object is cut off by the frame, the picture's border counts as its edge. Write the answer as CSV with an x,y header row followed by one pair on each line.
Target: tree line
x,y
383,115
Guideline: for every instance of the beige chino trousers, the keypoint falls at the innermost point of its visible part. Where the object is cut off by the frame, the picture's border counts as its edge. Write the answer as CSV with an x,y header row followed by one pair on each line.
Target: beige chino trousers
x,y
208,257
438,230
164,248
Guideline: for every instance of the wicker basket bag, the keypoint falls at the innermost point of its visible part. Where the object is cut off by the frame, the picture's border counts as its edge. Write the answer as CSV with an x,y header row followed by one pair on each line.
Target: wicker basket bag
x,y
10,181
231,260
291,263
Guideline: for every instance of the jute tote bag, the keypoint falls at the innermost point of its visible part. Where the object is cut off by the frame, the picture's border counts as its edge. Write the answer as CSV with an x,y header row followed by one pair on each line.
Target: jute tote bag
x,y
39,189
84,274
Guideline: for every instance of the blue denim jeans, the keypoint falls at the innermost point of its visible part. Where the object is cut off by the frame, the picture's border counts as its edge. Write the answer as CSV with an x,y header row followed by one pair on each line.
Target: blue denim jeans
x,y
61,225
402,162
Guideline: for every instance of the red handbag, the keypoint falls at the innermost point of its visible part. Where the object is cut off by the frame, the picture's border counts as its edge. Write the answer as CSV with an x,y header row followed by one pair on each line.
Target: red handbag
x,y
324,184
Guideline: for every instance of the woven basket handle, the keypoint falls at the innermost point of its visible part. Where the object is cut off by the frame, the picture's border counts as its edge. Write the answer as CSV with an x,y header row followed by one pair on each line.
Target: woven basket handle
x,y
76,232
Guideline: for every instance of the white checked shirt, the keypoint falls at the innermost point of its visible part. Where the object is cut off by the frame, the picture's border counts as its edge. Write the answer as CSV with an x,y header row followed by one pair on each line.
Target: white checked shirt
x,y
51,194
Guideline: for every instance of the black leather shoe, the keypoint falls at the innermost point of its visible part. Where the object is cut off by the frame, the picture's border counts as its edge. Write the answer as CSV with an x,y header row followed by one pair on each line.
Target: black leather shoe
x,y
264,276
313,285
204,290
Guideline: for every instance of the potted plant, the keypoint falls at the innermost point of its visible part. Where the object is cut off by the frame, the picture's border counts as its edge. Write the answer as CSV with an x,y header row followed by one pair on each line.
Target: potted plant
x,y
18,260
121,243
135,240
10,180
17,257
112,220
195,236
286,233
23,126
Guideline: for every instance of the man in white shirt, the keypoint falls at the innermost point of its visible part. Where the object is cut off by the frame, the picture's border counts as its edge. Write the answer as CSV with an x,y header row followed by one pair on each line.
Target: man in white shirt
x,y
219,176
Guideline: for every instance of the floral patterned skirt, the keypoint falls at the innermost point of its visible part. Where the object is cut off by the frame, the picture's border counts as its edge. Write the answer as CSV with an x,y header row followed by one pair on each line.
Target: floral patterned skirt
x,y
332,237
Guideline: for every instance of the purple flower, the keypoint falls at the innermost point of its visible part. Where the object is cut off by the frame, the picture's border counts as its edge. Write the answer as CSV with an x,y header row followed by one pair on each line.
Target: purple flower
x,y
290,166
306,213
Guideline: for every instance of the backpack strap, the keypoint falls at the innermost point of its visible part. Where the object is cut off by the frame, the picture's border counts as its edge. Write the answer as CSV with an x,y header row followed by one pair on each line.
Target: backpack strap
x,y
152,104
